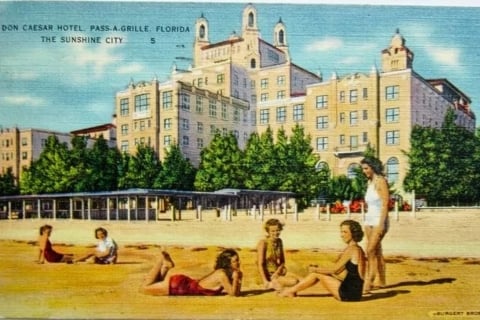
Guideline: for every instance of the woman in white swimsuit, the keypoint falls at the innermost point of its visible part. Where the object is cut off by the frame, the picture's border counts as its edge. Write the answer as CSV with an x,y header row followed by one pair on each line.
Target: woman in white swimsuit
x,y
376,220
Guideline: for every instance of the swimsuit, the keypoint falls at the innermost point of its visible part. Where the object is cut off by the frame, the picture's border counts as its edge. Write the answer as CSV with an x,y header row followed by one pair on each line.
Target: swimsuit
x,y
273,254
352,286
374,205
181,285
50,254
108,244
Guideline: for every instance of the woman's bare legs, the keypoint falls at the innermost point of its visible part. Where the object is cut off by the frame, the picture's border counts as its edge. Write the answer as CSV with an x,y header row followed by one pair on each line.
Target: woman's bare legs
x,y
376,262
330,283
154,283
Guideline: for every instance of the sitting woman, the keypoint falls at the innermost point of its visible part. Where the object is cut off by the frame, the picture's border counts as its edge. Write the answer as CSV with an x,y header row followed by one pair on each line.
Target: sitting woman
x,y
352,260
106,250
46,250
226,277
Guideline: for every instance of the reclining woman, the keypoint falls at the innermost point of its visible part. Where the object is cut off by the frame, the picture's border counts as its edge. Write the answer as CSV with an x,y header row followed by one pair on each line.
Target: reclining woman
x,y
225,278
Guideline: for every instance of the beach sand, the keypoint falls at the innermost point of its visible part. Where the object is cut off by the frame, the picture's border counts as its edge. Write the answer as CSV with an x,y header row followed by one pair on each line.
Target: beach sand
x,y
432,265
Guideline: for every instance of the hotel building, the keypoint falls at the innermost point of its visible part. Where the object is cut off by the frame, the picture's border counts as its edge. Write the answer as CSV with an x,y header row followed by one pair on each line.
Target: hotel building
x,y
245,84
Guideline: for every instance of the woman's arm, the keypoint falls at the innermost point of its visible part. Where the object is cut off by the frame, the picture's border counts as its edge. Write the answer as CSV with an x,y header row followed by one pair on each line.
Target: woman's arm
x,y
339,265
382,189
261,247
231,288
41,254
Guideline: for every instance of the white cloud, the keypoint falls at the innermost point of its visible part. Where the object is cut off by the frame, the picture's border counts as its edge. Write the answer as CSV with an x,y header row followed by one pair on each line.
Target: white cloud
x,y
130,68
22,100
326,44
446,56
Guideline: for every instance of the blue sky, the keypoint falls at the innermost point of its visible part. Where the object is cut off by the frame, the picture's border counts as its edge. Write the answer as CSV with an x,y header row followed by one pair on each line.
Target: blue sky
x,y
68,86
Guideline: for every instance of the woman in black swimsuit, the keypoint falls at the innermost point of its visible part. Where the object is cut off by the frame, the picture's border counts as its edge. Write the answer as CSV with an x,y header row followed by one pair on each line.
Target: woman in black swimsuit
x,y
352,260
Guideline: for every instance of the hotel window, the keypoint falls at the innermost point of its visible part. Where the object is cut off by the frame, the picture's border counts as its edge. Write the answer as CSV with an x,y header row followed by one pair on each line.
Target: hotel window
x,y
185,124
392,115
24,141
185,140
236,134
142,125
124,107
185,102
24,155
264,83
342,96
136,142
342,139
236,115
245,137
365,114
142,102
365,94
364,137
224,111
167,123
124,146
199,143
353,118
254,98
264,116
392,170
392,137
167,140
281,80
322,143
199,104
298,113
252,84
224,132
212,129
235,80
264,97
43,143
220,78
167,99
281,94
124,129
352,170
200,127
353,96
200,82
322,122
342,117
281,114
353,142
322,102
212,109
392,92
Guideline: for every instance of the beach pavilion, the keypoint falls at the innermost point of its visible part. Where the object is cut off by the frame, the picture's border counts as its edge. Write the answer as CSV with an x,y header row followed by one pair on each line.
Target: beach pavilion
x,y
141,204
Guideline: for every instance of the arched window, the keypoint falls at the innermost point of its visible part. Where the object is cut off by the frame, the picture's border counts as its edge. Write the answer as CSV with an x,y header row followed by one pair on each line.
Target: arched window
x,y
250,20
392,170
321,165
253,63
281,37
351,171
202,32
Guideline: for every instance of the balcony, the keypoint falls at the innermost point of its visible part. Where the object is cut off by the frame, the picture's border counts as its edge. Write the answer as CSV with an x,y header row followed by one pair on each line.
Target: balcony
x,y
141,115
349,151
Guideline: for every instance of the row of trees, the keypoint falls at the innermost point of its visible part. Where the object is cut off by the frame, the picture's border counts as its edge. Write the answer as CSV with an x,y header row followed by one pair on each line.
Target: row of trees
x,y
444,167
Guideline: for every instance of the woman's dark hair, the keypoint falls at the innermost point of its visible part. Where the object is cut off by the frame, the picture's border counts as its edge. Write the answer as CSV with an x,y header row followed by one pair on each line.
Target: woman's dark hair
x,y
373,163
45,227
273,222
102,230
355,229
224,261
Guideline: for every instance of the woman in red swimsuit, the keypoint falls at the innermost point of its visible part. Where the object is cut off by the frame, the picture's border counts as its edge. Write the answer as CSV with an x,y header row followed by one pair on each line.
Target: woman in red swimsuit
x,y
46,250
226,277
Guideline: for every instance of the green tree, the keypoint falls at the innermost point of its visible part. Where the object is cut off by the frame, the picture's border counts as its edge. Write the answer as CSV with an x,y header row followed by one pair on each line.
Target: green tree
x,y
7,183
103,163
79,159
220,164
177,171
51,172
141,170
260,162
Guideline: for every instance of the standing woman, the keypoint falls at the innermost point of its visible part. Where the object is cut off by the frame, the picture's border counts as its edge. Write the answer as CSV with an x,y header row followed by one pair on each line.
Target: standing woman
x,y
376,220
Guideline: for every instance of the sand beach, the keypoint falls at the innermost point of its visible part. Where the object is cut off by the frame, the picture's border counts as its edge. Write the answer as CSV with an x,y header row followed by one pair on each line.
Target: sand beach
x,y
432,265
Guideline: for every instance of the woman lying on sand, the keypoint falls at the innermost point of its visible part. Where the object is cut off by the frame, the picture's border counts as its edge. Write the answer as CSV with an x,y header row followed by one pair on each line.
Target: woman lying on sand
x,y
352,260
226,277
46,251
